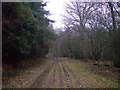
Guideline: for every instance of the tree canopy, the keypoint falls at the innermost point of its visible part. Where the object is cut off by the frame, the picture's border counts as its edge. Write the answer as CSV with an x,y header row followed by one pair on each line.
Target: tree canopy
x,y
25,30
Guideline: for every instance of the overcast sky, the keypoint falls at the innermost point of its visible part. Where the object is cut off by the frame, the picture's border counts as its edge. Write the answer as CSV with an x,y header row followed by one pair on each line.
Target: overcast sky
x,y
56,8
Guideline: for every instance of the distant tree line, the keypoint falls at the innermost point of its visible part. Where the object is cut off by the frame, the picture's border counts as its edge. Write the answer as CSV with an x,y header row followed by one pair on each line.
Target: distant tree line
x,y
26,31
92,31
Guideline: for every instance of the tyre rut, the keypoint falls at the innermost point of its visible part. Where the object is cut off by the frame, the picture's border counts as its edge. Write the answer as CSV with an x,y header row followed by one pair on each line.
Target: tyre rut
x,y
39,82
73,75
69,82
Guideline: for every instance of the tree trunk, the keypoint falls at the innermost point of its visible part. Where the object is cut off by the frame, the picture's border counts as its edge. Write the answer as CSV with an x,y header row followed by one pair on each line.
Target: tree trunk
x,y
116,49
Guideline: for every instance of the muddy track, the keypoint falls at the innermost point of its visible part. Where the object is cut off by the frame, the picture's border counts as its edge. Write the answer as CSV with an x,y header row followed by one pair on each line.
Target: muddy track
x,y
57,76
40,81
46,79
69,81
73,75
52,77
60,75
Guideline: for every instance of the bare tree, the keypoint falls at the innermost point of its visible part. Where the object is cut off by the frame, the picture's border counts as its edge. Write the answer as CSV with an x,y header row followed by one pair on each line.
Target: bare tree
x,y
115,38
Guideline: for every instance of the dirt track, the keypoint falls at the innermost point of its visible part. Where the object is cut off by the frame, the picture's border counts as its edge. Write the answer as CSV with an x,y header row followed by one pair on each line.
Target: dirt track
x,y
64,73
58,75
61,73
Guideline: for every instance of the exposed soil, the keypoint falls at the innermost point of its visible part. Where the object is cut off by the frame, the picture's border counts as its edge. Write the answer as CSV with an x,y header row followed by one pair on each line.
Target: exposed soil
x,y
63,73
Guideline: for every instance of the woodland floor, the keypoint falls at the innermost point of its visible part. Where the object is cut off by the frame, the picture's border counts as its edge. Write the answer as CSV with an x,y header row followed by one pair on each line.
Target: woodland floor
x,y
63,73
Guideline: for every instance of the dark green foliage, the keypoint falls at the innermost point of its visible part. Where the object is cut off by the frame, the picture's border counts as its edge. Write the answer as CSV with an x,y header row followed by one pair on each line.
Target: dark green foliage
x,y
116,46
76,54
24,30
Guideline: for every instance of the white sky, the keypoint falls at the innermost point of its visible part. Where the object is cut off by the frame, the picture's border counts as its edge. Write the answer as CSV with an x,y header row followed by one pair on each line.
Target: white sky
x,y
56,8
